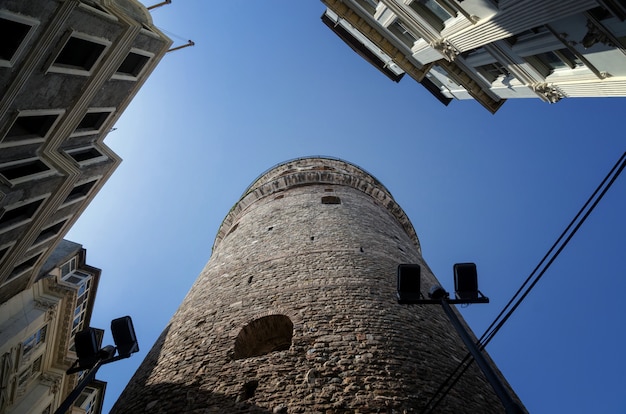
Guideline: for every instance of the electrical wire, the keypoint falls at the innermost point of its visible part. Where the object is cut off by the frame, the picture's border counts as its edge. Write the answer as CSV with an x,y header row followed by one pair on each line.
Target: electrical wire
x,y
530,281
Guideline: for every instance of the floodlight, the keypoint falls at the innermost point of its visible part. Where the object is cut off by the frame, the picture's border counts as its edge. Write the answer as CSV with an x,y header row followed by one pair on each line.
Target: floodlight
x,y
408,282
466,281
86,344
124,336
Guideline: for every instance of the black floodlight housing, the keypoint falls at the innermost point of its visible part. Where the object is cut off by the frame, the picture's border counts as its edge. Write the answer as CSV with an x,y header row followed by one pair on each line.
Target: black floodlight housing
x,y
466,281
409,283
86,344
124,336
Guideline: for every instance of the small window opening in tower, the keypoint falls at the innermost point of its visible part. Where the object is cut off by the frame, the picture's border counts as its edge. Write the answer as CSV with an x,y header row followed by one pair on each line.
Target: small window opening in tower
x,y
232,229
331,200
270,228
262,336
329,190
248,389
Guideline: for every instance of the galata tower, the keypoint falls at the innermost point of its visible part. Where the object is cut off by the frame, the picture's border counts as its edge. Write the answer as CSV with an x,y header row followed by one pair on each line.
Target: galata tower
x,y
296,310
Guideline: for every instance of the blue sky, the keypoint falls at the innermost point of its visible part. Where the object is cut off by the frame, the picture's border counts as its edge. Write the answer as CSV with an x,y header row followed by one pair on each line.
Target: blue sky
x,y
267,82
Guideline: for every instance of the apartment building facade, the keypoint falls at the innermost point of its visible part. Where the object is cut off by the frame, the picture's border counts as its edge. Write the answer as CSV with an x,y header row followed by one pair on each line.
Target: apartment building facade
x,y
68,69
37,327
491,50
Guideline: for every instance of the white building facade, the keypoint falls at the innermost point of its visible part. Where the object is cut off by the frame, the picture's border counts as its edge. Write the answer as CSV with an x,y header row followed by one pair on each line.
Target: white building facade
x,y
37,327
494,50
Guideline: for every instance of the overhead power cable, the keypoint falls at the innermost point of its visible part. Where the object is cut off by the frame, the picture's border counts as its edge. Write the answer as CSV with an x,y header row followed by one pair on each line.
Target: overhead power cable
x,y
530,281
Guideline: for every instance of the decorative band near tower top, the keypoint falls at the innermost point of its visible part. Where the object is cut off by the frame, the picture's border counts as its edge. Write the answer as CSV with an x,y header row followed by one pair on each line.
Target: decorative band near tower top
x,y
296,312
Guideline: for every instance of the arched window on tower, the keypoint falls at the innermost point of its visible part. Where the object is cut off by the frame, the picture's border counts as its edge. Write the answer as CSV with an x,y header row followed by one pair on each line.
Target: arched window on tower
x,y
264,335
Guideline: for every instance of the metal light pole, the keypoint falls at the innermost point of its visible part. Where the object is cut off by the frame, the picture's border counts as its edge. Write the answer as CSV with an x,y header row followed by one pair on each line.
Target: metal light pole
x,y
92,358
466,288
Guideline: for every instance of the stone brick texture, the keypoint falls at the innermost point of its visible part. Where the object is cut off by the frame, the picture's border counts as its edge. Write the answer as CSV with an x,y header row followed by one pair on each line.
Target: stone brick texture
x,y
331,270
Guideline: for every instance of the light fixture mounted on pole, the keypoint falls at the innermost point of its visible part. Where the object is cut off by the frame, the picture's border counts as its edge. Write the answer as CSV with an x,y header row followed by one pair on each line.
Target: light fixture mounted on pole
x,y
466,291
92,357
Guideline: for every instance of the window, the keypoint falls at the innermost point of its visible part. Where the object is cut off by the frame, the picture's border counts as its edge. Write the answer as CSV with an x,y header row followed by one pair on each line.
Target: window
x,y
264,335
559,59
23,267
15,30
68,267
133,65
87,400
331,200
29,373
82,281
29,168
402,33
87,155
92,122
31,125
433,12
548,62
33,341
79,54
4,251
79,192
49,232
16,216
492,71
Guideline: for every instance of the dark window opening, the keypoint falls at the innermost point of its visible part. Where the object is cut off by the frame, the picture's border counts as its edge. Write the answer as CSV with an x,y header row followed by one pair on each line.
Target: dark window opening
x,y
19,214
92,121
30,126
50,232
331,200
270,228
402,33
12,35
4,251
79,53
22,267
248,389
85,154
80,191
262,336
329,190
12,172
133,64
492,71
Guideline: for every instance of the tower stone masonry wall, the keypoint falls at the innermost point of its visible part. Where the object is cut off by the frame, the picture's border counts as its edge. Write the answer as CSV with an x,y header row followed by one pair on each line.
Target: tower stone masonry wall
x,y
296,312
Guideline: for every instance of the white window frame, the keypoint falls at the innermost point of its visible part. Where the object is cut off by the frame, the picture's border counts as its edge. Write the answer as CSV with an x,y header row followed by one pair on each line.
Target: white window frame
x,y
125,76
36,338
33,23
72,265
110,110
26,113
71,70
36,176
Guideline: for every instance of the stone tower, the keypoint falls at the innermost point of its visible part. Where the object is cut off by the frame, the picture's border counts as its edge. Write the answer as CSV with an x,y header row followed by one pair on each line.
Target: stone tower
x,y
296,312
